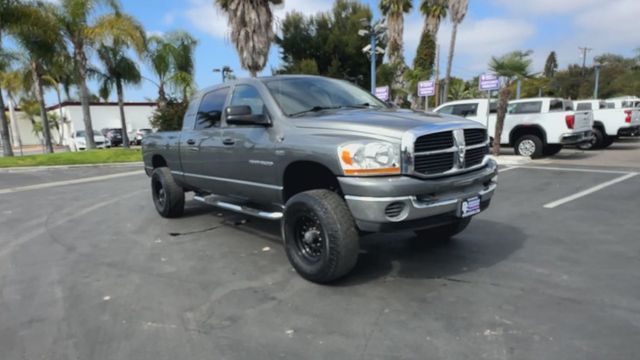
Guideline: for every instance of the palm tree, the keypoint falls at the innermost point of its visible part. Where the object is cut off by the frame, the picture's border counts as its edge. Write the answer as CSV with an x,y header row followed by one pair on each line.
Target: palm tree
x,y
512,66
11,82
83,31
9,15
434,11
251,23
394,11
59,76
39,39
457,12
120,70
171,59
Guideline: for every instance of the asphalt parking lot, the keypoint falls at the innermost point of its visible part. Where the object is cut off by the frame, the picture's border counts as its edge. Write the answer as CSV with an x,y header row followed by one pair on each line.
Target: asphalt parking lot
x,y
88,270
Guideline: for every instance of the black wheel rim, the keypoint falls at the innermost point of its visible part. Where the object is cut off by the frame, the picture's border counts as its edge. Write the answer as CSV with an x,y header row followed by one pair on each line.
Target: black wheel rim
x,y
309,237
159,194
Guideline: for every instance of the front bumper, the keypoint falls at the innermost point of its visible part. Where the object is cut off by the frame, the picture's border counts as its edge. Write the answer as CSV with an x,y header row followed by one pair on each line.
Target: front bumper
x,y
576,138
424,203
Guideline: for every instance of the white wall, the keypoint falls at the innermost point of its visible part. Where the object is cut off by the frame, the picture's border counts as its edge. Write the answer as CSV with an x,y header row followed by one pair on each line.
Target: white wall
x,y
108,116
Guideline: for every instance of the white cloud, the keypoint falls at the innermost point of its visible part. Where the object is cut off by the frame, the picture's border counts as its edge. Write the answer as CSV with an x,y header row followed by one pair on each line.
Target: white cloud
x,y
476,42
612,25
209,18
547,6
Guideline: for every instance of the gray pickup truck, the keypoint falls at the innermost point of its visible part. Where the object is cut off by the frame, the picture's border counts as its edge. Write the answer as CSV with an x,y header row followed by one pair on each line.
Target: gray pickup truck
x,y
327,159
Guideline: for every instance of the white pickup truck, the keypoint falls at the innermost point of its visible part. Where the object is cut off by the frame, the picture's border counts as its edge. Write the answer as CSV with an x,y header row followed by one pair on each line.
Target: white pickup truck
x,y
610,120
534,127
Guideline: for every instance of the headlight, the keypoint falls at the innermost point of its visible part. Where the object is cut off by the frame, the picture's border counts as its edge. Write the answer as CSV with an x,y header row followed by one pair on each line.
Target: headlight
x,y
369,158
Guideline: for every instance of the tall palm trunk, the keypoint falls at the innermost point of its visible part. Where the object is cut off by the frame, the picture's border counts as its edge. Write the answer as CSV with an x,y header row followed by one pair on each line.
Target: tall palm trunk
x,y
162,95
452,48
81,75
37,81
61,114
7,150
503,100
123,121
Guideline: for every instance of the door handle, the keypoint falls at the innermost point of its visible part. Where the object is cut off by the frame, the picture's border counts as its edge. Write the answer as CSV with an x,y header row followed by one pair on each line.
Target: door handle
x,y
191,142
229,141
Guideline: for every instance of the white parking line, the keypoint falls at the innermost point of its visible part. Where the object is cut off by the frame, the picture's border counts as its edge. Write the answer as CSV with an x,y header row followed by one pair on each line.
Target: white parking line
x,y
573,169
586,192
508,168
68,182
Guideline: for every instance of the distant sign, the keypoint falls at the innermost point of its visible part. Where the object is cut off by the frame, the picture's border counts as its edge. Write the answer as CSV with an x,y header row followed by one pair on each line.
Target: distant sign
x,y
426,88
489,82
382,93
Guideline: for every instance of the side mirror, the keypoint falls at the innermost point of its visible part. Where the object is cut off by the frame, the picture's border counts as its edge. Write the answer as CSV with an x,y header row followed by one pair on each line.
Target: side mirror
x,y
241,115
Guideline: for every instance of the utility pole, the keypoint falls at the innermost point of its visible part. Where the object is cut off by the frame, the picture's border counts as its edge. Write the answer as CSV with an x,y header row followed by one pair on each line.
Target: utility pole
x,y
437,98
584,51
597,82
376,32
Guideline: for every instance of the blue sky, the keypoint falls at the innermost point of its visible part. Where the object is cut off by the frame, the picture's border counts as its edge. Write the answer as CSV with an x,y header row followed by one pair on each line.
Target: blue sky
x,y
492,27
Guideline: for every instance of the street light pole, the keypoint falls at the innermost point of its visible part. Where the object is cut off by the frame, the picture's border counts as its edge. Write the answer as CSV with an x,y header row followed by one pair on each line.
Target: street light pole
x,y
373,62
596,86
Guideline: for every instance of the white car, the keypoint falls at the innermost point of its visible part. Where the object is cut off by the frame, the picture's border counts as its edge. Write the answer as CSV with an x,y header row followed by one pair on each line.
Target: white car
x,y
611,119
78,141
535,127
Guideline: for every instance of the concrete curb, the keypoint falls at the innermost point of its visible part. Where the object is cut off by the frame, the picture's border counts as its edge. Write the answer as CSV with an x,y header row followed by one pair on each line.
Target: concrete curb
x,y
511,160
38,168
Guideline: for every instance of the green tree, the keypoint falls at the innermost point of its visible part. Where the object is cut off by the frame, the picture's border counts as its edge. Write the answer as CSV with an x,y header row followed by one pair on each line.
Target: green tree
x,y
171,59
251,23
551,65
510,67
394,11
119,70
330,38
457,12
434,11
169,117
83,30
39,39
59,76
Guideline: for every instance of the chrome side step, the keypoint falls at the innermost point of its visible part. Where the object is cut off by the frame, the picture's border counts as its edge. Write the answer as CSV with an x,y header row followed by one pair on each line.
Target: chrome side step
x,y
211,200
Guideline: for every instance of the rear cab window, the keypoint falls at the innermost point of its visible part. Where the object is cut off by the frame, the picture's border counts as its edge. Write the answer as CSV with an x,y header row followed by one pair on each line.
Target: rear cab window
x,y
526,107
584,107
210,110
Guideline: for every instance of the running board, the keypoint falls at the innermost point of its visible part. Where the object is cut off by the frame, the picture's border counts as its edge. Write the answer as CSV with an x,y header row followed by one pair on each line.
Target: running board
x,y
211,200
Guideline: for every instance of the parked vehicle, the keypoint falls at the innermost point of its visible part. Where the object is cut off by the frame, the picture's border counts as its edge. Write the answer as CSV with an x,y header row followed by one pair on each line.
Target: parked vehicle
x,y
78,140
114,135
326,158
135,136
609,122
534,127
623,102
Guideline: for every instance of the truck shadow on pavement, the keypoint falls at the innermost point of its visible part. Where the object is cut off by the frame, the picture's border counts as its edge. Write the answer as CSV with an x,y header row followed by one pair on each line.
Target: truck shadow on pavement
x,y
386,256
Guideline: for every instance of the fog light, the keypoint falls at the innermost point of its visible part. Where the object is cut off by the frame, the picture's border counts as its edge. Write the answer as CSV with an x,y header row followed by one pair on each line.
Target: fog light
x,y
396,211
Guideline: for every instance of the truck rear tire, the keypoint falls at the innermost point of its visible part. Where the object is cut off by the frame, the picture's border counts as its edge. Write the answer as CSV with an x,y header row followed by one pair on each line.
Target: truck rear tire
x,y
320,236
444,232
608,140
596,141
529,145
168,197
551,150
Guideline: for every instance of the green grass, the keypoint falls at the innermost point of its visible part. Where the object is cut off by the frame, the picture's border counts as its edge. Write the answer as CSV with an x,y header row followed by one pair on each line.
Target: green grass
x,y
105,156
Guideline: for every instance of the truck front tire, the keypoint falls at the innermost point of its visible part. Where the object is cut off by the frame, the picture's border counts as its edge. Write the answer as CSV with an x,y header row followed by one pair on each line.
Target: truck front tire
x,y
529,145
444,232
320,236
596,141
168,197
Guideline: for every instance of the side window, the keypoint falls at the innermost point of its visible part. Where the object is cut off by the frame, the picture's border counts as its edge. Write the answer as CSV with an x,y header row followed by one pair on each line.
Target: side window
x,y
603,105
533,107
190,115
210,110
446,110
556,105
583,106
493,108
249,96
610,105
465,110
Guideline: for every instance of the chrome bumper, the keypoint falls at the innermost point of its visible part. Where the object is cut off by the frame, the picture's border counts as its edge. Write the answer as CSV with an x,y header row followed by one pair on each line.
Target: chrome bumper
x,y
576,138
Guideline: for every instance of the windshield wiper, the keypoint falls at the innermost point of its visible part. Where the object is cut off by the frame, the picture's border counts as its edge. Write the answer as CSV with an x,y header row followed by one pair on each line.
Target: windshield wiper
x,y
315,109
361,106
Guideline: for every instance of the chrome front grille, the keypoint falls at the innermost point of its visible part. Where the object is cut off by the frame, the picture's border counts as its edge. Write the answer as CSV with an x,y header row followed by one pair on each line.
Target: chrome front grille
x,y
447,152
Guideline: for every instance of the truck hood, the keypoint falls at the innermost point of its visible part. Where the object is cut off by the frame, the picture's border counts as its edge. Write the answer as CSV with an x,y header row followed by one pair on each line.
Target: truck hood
x,y
391,123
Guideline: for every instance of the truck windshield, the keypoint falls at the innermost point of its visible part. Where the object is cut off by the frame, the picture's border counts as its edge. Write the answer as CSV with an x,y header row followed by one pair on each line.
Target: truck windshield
x,y
297,96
